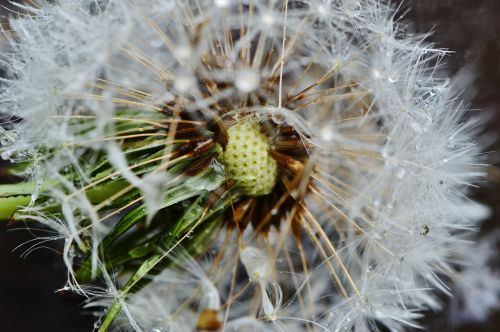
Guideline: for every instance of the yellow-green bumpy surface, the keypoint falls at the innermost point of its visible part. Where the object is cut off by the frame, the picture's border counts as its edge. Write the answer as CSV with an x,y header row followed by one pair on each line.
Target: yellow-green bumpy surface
x,y
247,159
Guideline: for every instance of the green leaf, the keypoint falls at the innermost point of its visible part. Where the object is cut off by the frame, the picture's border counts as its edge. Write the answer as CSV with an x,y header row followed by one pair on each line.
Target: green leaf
x,y
186,188
195,245
9,205
207,181
102,192
116,307
16,189
15,196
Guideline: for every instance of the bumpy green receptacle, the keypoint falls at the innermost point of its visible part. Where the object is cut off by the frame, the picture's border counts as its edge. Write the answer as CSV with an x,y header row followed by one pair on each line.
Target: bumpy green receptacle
x,y
247,159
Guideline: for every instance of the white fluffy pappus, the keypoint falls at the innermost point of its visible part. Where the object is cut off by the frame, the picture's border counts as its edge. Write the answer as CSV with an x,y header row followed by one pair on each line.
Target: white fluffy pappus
x,y
369,213
477,285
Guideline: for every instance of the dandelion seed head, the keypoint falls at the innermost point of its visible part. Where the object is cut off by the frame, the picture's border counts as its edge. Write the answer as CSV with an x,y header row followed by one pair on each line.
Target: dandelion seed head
x,y
306,155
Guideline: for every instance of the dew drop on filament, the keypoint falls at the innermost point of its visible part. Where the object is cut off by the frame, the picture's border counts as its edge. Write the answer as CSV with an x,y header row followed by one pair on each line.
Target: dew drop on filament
x,y
97,325
222,3
354,8
392,79
327,133
277,117
247,80
5,155
401,172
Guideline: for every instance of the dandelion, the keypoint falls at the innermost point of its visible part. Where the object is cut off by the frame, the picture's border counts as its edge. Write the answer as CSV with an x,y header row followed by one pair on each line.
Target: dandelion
x,y
240,165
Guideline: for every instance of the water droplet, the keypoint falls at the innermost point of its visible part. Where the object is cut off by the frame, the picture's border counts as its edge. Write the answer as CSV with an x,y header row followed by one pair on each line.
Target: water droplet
x,y
451,143
354,8
389,159
392,79
222,3
183,52
401,172
380,235
327,133
247,80
184,83
376,73
5,155
278,117
322,10
417,128
97,324
268,19
17,65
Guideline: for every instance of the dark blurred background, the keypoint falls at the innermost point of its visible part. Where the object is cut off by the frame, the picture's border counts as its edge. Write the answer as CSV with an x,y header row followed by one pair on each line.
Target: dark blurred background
x,y
470,28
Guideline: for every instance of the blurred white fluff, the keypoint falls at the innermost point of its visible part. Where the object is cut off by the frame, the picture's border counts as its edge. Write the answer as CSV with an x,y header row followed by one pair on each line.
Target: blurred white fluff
x,y
169,302
399,220
478,283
